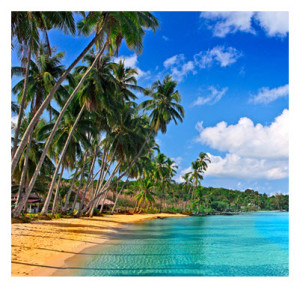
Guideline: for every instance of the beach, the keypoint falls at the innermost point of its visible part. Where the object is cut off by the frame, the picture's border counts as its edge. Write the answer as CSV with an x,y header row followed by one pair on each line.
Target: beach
x,y
41,248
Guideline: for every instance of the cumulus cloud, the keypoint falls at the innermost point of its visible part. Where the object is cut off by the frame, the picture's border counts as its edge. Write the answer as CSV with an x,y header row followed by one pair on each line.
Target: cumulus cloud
x,y
266,95
235,166
132,62
219,55
251,151
274,23
213,97
249,140
223,23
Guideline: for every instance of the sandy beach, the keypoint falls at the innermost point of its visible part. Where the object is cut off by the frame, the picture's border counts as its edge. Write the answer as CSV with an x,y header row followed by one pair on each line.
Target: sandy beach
x,y
45,248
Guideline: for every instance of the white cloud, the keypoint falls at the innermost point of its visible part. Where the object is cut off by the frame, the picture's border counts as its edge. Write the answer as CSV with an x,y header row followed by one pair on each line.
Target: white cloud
x,y
175,60
213,97
248,140
199,126
252,151
228,22
267,95
223,23
274,23
165,38
178,67
235,166
132,62
219,55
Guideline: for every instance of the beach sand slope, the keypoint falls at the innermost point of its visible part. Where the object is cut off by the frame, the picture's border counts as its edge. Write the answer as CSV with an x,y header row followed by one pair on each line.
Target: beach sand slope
x,y
44,248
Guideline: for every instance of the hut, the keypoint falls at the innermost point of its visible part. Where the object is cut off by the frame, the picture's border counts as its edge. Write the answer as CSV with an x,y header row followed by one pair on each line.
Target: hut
x,y
33,203
108,205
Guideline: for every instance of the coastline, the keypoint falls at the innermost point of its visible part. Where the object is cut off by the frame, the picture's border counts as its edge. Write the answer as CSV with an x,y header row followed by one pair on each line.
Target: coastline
x,y
46,248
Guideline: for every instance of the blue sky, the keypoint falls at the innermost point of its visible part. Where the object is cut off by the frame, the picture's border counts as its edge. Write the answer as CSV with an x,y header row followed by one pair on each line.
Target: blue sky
x,y
231,67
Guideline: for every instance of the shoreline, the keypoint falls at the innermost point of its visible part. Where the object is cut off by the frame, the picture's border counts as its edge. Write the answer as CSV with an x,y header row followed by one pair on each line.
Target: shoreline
x,y
48,248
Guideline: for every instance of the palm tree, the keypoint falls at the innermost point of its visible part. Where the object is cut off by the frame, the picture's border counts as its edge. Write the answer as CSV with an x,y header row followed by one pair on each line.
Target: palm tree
x,y
29,159
164,107
114,26
146,195
161,171
43,73
66,146
187,180
112,22
25,28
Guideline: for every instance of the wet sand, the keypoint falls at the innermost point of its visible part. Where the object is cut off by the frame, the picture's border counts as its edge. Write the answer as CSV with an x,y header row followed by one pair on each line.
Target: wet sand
x,y
59,247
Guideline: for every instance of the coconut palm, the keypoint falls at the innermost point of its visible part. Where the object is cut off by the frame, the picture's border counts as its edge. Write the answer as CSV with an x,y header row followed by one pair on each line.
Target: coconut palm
x,y
146,195
164,105
116,25
67,145
187,180
111,26
25,31
29,159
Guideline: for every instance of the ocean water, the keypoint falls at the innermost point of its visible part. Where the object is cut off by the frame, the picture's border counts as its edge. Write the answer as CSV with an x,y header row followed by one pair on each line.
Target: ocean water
x,y
249,244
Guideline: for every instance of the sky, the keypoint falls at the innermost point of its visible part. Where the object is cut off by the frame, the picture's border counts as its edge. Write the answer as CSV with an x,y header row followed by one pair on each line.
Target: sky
x,y
232,74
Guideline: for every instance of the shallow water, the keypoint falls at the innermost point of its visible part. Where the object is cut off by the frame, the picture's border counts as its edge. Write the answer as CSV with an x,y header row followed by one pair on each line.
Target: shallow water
x,y
249,244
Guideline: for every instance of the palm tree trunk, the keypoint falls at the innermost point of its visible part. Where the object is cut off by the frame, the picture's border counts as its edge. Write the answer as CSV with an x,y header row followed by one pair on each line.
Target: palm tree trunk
x,y
161,197
49,196
57,190
49,97
80,183
105,195
119,193
102,190
70,192
187,198
87,182
49,141
22,104
24,170
99,185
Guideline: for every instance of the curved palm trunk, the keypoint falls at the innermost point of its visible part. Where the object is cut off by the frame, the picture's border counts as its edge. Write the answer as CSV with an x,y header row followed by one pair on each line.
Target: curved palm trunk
x,y
57,190
70,192
49,97
24,170
80,183
49,196
102,190
22,104
99,185
49,141
119,193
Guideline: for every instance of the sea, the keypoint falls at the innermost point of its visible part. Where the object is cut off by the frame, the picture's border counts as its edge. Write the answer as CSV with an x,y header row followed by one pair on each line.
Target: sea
x,y
247,244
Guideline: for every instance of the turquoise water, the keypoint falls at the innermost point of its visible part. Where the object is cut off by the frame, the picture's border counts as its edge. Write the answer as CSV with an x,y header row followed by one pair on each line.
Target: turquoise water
x,y
249,244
